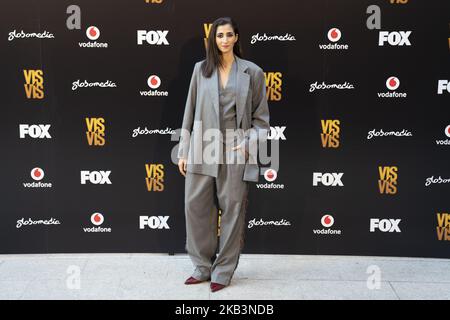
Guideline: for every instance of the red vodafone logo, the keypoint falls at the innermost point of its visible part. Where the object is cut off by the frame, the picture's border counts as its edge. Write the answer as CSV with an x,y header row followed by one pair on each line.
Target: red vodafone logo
x,y
97,219
37,174
92,33
327,220
334,34
447,131
270,175
154,82
392,83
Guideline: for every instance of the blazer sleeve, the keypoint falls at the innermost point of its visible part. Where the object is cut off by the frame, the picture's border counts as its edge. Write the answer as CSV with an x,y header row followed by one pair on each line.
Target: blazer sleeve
x,y
260,113
188,117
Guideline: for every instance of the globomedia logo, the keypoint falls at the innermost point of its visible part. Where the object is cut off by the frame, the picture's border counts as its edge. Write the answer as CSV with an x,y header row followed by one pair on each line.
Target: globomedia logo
x,y
93,33
262,223
37,174
22,35
31,222
392,83
334,35
86,84
327,222
381,133
154,82
138,131
445,141
270,175
97,220
432,180
329,86
264,37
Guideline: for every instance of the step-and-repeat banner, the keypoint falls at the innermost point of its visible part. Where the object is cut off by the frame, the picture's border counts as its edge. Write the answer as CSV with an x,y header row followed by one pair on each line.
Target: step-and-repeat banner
x,y
93,92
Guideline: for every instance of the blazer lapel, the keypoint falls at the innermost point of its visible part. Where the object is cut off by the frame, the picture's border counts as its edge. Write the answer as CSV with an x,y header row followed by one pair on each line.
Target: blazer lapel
x,y
213,89
242,84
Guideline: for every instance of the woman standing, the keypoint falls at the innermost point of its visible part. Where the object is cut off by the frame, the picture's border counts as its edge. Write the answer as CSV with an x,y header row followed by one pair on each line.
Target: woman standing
x,y
226,94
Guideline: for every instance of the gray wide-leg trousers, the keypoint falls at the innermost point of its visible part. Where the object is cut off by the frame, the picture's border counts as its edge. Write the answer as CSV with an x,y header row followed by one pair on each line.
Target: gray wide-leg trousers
x,y
204,195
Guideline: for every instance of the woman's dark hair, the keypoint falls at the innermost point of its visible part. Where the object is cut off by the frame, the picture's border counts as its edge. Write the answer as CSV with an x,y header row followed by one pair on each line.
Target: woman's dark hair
x,y
213,54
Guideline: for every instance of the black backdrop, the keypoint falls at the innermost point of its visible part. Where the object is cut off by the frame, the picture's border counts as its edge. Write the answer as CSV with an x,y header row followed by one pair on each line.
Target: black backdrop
x,y
299,62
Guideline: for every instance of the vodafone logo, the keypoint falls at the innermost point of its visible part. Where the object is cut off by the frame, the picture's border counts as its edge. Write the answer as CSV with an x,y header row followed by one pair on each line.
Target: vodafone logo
x,y
270,175
97,219
92,33
327,221
392,83
37,174
445,142
334,34
154,82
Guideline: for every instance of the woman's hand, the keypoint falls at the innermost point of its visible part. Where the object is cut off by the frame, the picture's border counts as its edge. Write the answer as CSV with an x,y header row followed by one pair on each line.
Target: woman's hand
x,y
241,149
182,166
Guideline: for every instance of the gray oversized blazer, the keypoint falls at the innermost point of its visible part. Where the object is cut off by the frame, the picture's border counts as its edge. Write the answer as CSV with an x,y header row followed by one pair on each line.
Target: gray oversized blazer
x,y
202,104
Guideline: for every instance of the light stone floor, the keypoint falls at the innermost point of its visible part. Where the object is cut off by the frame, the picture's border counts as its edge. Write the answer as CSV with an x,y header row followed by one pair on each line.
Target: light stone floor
x,y
259,277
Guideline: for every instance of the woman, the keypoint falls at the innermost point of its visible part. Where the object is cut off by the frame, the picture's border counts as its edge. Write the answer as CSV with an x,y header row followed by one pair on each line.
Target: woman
x,y
227,95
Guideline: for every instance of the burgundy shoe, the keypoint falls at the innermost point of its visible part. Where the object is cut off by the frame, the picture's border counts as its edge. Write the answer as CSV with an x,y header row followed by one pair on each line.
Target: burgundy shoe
x,y
192,280
216,286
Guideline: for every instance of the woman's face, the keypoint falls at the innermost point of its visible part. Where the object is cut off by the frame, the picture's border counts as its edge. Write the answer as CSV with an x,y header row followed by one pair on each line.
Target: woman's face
x,y
225,38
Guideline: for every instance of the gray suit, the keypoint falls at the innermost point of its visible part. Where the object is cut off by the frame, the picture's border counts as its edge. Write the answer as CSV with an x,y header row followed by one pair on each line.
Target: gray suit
x,y
213,186
202,105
